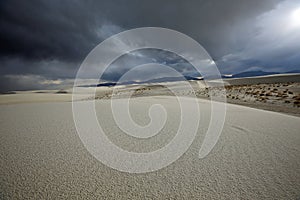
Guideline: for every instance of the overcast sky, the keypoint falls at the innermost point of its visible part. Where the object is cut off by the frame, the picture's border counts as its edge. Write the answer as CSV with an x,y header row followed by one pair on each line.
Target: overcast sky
x,y
44,42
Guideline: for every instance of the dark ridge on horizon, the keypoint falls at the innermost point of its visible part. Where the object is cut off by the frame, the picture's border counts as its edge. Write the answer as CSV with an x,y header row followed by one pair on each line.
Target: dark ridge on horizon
x,y
247,74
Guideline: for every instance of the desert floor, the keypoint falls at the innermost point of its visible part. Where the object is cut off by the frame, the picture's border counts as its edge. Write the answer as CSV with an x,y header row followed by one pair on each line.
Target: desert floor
x,y
42,157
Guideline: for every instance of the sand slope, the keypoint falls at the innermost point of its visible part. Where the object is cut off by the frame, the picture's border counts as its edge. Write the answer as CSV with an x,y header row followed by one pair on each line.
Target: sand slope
x,y
42,157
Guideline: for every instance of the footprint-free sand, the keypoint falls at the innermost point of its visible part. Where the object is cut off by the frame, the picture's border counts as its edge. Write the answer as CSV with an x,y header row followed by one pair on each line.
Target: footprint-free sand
x,y
42,157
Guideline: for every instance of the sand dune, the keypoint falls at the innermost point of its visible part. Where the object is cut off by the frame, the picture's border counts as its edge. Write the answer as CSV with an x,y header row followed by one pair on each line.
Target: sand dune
x,y
42,157
34,96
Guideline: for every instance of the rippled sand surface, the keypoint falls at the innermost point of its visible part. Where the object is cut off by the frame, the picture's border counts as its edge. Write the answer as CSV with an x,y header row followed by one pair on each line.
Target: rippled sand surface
x,y
42,157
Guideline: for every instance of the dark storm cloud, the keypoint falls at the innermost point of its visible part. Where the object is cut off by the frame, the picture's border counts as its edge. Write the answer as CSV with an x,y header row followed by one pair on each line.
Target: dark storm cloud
x,y
68,30
51,38
41,30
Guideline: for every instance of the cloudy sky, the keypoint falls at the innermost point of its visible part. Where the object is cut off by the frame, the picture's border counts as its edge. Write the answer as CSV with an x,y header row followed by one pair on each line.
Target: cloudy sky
x,y
44,42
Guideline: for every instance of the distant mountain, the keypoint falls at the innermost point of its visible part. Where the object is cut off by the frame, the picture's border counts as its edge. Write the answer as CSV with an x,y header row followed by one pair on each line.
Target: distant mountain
x,y
258,73
100,84
252,73
292,72
161,80
189,78
156,80
106,84
171,79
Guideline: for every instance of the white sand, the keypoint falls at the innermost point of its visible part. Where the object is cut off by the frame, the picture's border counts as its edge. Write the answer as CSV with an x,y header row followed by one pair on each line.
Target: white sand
x,y
35,96
42,157
38,96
